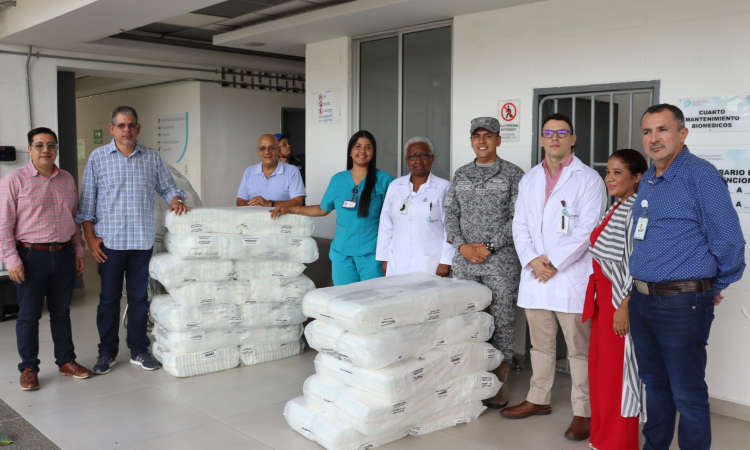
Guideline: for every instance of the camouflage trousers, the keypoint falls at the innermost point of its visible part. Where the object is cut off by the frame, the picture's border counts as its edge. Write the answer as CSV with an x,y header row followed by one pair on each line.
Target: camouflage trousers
x,y
502,309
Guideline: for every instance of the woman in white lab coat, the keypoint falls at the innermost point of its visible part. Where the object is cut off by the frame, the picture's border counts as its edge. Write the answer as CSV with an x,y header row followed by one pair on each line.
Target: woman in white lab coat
x,y
412,236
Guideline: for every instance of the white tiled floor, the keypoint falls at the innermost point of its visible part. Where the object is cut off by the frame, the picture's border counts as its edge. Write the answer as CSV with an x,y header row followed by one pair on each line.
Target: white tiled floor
x,y
242,408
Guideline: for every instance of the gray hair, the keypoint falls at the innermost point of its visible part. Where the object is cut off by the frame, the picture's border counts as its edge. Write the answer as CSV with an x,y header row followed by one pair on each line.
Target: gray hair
x,y
127,110
419,140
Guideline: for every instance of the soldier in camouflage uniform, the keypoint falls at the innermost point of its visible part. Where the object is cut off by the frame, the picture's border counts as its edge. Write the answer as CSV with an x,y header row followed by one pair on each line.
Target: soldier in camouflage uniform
x,y
478,220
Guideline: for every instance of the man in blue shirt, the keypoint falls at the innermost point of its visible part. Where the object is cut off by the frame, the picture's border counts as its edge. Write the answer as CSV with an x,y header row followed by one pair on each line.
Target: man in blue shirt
x,y
271,182
117,213
687,248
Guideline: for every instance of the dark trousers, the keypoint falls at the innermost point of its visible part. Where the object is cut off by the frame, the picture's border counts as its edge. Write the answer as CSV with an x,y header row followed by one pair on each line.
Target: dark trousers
x,y
51,275
670,336
133,266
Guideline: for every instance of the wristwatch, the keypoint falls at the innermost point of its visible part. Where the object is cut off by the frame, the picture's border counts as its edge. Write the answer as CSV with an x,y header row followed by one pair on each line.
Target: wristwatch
x,y
181,201
490,248
272,203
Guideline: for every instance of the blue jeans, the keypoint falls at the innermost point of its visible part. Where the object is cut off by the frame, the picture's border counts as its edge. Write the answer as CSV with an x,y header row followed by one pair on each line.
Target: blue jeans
x,y
133,266
51,275
670,336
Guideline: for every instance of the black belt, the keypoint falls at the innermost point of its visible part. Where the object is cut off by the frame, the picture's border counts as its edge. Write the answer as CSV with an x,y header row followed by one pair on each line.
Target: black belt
x,y
672,288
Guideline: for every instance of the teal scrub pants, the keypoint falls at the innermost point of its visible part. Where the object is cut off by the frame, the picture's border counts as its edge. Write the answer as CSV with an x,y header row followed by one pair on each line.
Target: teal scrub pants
x,y
351,269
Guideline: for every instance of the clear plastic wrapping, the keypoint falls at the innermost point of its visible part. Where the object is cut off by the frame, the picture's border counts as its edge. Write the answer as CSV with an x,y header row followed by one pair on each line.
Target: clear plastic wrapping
x,y
257,290
333,434
205,340
262,353
254,220
196,363
171,271
376,351
298,249
381,304
373,415
404,379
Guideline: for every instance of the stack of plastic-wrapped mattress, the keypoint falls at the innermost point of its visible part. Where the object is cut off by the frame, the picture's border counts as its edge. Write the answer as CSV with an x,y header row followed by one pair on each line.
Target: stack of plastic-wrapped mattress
x,y
401,355
235,287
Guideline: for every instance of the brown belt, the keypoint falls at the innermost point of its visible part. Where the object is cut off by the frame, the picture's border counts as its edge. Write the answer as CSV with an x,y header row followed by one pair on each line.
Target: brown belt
x,y
45,247
672,288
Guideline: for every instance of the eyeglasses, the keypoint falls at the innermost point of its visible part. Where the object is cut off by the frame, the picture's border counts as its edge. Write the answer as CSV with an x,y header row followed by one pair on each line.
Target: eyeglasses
x,y
422,156
40,147
270,147
129,126
560,133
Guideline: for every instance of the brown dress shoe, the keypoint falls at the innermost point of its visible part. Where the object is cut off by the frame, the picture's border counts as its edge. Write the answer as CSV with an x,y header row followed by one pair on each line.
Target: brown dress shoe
x,y
29,380
75,370
579,428
500,400
526,409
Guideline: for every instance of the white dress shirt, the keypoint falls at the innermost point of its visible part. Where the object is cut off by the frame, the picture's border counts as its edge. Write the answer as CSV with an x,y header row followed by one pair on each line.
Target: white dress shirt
x,y
415,241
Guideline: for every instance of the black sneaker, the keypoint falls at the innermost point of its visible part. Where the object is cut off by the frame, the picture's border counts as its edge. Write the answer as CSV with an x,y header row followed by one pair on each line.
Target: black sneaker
x,y
146,361
103,364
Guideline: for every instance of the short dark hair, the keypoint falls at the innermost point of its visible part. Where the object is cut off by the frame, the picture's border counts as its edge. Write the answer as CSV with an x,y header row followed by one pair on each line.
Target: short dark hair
x,y
633,159
661,107
127,110
40,130
559,116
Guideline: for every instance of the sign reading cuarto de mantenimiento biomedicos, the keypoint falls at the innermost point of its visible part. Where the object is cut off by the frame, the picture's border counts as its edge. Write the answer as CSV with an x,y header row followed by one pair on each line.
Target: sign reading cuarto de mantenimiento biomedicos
x,y
716,114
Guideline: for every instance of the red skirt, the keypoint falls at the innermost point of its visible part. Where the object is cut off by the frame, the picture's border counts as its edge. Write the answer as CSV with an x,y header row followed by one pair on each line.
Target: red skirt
x,y
609,430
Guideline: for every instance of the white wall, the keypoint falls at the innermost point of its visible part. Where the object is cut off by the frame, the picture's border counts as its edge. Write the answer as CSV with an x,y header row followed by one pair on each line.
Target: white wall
x,y
328,66
232,121
506,54
94,113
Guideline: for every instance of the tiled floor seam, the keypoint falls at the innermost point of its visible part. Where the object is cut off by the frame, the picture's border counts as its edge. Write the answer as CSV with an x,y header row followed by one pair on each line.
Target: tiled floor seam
x,y
41,413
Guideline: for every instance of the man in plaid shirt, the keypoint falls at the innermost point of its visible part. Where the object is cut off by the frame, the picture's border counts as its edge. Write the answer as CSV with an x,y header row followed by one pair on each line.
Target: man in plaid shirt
x,y
117,213
41,245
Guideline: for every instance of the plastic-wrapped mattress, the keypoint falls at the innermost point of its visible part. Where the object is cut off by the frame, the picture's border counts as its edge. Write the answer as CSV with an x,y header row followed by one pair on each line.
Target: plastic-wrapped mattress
x,y
333,434
404,379
262,353
384,303
373,415
175,317
233,246
196,363
376,351
257,290
205,340
171,271
254,220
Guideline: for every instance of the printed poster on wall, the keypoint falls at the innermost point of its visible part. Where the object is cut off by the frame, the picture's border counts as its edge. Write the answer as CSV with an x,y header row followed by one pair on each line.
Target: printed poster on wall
x,y
716,114
172,130
510,120
326,106
734,164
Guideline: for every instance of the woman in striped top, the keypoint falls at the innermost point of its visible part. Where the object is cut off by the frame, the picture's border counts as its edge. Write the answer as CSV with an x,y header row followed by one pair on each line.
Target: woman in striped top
x,y
615,389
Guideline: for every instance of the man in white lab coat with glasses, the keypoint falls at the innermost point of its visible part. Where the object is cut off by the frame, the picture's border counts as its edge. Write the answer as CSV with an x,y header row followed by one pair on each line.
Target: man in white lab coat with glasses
x,y
559,203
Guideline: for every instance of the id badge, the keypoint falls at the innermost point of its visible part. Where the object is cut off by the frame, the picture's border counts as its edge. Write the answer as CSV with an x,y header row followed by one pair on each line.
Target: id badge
x,y
640,229
348,204
563,224
404,208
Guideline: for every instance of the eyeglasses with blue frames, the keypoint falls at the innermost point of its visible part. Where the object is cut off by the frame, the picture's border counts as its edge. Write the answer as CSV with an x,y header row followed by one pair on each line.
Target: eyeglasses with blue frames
x,y
560,133
422,156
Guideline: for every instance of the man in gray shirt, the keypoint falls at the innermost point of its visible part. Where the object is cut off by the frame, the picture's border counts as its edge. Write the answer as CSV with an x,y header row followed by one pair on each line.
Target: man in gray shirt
x,y
479,211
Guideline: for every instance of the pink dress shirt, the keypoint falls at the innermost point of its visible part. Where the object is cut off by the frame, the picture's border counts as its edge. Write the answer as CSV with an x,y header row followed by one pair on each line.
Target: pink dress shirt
x,y
37,210
552,180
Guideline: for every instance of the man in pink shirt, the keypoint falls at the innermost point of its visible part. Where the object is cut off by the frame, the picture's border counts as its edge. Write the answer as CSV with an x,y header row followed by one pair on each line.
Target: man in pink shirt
x,y
41,245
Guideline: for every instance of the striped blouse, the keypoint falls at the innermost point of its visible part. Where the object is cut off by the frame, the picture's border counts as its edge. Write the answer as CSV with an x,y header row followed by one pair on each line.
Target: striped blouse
x,y
612,251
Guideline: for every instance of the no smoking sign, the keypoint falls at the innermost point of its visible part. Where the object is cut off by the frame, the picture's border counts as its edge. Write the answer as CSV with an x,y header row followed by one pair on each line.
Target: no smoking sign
x,y
510,121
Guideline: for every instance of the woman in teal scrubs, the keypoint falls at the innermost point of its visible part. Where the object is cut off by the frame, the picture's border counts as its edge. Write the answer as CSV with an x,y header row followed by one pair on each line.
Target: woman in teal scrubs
x,y
357,195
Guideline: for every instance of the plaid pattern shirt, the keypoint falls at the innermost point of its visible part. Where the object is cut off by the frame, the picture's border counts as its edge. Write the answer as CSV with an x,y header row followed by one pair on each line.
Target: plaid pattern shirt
x,y
117,195
37,210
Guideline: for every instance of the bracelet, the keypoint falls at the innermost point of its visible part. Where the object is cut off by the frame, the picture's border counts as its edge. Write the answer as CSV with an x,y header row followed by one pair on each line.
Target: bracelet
x,y
90,238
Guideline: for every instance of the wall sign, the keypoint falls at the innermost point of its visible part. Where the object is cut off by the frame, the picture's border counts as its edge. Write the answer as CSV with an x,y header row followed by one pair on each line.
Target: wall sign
x,y
510,120
172,134
716,114
735,166
81,148
325,106
98,136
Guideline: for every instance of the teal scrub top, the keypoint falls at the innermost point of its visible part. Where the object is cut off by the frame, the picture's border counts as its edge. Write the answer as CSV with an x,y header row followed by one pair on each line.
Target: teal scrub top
x,y
355,236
